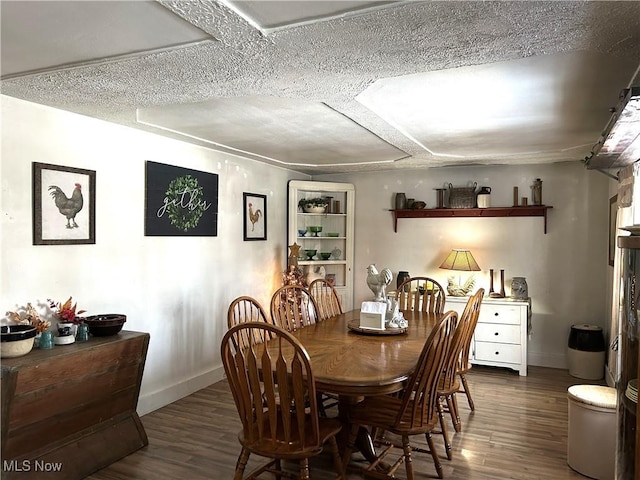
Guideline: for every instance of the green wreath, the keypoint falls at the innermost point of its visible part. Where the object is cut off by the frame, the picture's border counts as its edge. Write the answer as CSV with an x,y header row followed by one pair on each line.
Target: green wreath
x,y
182,213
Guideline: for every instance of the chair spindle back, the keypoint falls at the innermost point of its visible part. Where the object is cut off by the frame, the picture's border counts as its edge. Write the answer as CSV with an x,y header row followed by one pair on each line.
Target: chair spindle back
x,y
421,294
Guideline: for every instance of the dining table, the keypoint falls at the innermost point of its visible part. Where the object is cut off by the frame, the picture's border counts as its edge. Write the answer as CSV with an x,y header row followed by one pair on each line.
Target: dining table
x,y
354,362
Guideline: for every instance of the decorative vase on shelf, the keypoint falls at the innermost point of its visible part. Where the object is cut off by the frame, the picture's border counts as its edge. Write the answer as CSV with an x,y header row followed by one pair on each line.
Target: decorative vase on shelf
x,y
536,192
519,288
402,276
401,201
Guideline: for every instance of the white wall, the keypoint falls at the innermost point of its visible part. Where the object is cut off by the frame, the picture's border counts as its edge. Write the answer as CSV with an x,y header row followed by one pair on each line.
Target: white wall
x,y
178,288
175,288
566,270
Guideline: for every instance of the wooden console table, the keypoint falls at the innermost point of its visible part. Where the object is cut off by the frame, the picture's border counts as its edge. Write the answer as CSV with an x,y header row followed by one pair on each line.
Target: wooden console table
x,y
70,411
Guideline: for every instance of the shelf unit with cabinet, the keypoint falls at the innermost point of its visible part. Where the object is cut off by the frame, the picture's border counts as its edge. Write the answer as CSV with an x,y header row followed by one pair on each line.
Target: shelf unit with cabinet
x,y
628,443
337,219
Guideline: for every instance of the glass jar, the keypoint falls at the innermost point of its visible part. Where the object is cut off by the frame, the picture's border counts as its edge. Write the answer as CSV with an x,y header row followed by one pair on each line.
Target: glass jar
x,y
82,334
46,340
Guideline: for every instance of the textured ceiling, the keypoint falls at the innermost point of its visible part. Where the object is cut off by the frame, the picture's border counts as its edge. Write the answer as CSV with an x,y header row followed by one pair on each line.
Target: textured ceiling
x,y
335,86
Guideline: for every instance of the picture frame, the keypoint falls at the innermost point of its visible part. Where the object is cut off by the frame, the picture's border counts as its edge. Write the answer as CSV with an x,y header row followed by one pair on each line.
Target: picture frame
x,y
613,211
180,202
255,216
64,205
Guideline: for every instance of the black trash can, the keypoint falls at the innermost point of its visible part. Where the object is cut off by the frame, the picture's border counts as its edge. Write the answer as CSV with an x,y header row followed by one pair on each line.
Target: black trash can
x,y
586,351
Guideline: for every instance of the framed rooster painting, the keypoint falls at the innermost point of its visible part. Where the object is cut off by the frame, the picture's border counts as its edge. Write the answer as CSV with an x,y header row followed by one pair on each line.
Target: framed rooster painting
x,y
255,216
64,205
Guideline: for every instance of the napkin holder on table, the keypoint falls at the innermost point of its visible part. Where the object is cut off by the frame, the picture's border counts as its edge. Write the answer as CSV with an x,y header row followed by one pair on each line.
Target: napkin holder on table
x,y
373,315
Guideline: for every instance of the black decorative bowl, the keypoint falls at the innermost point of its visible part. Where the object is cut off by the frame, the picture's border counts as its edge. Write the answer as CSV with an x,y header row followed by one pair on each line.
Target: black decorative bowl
x,y
17,340
106,324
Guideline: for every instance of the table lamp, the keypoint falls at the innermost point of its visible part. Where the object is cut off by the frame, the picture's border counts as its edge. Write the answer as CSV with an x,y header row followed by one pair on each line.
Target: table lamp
x,y
462,261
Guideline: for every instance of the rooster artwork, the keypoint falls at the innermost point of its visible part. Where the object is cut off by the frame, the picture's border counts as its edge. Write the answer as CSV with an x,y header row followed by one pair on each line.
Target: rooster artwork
x,y
68,206
378,282
254,216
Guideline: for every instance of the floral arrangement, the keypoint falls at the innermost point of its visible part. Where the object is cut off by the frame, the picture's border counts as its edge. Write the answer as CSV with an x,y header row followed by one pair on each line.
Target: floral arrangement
x,y
66,312
31,317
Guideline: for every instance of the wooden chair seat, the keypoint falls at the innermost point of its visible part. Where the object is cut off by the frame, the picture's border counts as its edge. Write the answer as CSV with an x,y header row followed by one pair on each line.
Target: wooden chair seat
x,y
294,448
383,410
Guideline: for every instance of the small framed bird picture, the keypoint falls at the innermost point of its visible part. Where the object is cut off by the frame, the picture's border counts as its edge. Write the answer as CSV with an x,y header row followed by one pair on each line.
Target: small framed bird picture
x,y
255,216
64,205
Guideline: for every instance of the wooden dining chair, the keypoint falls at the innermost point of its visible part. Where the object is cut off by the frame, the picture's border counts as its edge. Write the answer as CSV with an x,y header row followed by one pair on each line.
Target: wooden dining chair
x,y
245,309
329,305
326,298
463,362
421,294
293,307
268,430
449,384
412,413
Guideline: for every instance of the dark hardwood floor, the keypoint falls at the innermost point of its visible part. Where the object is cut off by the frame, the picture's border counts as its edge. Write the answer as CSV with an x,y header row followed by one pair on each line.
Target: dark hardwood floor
x,y
518,431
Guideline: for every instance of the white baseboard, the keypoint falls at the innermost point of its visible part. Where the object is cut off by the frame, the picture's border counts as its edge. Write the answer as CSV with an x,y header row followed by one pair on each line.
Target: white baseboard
x,y
561,361
148,402
546,360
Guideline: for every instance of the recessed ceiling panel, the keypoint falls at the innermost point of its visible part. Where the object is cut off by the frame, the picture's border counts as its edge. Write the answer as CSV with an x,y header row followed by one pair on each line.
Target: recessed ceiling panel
x,y
42,35
268,15
533,105
285,131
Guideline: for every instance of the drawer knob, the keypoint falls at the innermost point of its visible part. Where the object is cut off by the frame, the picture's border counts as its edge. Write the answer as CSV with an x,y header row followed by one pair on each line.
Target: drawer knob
x,y
497,353
496,334
496,314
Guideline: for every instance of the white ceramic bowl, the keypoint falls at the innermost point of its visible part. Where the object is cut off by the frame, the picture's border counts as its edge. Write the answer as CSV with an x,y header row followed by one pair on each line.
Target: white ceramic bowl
x,y
315,209
17,340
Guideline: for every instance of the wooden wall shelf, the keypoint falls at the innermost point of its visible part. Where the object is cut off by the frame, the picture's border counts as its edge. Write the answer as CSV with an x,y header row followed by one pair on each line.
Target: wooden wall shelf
x,y
529,211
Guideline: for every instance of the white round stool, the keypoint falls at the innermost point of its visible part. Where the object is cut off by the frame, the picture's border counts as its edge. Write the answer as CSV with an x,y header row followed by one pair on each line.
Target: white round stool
x,y
591,443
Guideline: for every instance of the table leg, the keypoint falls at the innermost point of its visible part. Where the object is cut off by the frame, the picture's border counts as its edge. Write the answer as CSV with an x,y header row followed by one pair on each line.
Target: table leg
x,y
364,441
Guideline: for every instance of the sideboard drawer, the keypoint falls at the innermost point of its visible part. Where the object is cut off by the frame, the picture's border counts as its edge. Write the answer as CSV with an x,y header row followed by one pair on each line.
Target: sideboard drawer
x,y
498,333
500,336
499,314
498,352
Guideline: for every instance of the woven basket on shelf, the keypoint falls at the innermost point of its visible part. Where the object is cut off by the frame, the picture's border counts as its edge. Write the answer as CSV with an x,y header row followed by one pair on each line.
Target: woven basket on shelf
x,y
462,197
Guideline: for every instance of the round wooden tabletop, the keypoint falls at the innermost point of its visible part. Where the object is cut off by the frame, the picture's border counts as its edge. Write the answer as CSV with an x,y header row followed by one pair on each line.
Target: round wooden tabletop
x,y
348,363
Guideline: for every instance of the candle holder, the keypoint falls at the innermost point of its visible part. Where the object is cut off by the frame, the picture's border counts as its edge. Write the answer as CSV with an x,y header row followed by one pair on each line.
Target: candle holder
x,y
493,294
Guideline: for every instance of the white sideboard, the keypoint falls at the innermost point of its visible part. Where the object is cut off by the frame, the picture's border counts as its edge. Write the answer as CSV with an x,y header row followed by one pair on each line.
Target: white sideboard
x,y
500,338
